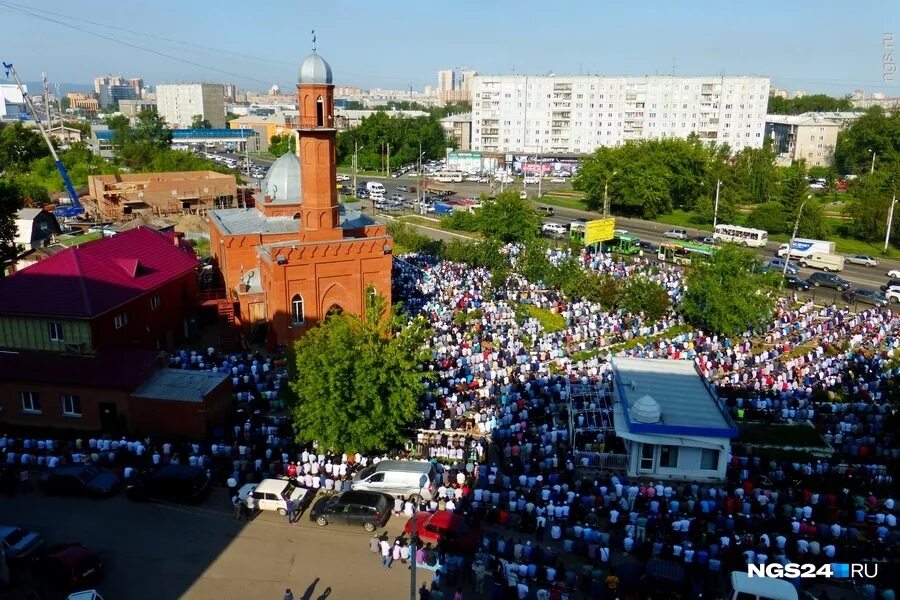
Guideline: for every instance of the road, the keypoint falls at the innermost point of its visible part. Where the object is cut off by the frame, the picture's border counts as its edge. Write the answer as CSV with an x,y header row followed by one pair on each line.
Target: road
x,y
153,551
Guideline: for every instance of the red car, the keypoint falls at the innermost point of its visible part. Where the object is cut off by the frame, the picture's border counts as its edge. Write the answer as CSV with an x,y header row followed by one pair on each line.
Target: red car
x,y
447,528
69,566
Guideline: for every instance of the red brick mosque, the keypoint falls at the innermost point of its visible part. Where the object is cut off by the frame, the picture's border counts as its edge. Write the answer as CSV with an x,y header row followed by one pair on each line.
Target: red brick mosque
x,y
298,253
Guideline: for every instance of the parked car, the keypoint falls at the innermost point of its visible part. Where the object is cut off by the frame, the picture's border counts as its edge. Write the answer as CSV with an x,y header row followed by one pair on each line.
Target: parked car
x,y
545,211
828,280
558,180
18,543
894,273
778,264
447,528
172,483
272,494
648,245
553,229
369,509
677,234
398,198
864,296
863,259
80,480
795,283
891,284
402,188
69,566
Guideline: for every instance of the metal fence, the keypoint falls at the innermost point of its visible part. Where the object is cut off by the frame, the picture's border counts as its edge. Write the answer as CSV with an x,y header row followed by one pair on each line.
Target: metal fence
x,y
602,460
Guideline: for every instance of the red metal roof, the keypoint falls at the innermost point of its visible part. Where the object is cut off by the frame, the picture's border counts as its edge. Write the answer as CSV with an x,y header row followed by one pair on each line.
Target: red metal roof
x,y
89,280
122,369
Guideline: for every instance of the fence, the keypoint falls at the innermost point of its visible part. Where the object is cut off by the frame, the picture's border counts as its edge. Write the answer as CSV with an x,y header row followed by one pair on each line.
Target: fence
x,y
602,460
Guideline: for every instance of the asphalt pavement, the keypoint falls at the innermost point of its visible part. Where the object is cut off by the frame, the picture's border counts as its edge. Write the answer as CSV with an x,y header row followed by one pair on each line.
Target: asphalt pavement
x,y
157,551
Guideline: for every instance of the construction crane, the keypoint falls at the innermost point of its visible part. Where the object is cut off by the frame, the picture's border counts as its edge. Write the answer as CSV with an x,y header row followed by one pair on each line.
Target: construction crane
x,y
74,207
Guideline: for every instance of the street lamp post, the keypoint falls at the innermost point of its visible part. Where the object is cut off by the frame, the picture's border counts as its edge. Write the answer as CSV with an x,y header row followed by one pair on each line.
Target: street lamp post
x,y
412,556
872,168
716,207
787,258
887,235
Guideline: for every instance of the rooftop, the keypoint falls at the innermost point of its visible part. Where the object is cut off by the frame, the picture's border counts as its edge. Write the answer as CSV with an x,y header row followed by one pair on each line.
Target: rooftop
x,y
242,221
686,405
88,280
180,385
283,180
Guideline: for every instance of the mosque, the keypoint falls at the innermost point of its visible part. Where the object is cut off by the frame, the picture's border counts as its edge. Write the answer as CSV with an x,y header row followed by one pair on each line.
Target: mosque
x,y
299,254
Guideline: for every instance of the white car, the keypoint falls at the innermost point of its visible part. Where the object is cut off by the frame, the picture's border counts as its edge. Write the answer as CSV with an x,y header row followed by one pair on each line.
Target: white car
x,y
532,179
894,273
272,494
676,234
19,543
554,229
863,259
558,180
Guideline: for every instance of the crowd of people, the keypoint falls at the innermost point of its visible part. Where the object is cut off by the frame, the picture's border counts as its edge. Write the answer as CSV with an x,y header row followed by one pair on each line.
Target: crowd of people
x,y
496,418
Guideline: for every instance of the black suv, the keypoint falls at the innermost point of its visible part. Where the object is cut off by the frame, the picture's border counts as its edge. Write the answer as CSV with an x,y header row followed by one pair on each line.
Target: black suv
x,y
369,509
828,280
891,283
172,483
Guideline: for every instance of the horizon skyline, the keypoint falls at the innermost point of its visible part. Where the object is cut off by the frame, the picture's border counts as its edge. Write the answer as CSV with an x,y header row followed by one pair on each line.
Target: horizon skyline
x,y
685,46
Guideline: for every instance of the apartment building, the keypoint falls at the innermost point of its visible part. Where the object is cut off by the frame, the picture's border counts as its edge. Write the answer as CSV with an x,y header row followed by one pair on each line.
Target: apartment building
x,y
809,136
178,103
577,114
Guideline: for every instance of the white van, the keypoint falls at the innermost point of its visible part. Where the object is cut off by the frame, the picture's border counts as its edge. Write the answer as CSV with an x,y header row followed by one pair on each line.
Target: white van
x,y
826,262
398,478
272,494
375,187
744,587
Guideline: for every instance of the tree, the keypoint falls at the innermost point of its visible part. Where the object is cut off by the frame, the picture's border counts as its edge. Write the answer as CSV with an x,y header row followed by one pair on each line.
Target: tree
x,y
875,132
771,217
198,122
508,218
381,131
281,144
645,296
358,380
151,129
725,295
10,202
812,103
19,146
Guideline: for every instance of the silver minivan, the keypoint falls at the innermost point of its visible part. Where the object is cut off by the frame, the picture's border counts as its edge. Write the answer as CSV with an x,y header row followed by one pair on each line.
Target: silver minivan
x,y
407,478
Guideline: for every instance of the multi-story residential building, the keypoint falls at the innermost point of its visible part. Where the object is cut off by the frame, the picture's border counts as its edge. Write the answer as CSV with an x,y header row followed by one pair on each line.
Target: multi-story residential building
x,y
810,136
459,129
179,103
12,103
446,81
99,82
137,84
111,94
877,99
579,113
131,108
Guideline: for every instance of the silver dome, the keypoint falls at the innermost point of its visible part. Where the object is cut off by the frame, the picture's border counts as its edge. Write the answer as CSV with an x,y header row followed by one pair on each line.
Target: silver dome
x,y
645,410
314,69
282,182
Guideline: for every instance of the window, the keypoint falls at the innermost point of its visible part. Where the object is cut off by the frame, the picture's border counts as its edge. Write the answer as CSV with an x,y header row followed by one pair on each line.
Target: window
x,y
31,403
709,460
647,457
71,405
120,321
154,302
297,315
320,112
668,456
56,331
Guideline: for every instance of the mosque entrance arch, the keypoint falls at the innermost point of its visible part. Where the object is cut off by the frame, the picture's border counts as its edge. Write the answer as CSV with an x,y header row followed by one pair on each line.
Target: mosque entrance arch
x,y
334,309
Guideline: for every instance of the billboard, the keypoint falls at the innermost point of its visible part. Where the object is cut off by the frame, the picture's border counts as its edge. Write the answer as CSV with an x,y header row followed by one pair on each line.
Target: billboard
x,y
599,230
547,166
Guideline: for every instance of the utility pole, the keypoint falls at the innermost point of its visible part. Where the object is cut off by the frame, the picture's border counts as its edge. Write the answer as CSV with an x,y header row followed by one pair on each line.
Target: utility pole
x,y
540,169
606,194
355,162
872,168
887,235
387,170
716,208
412,556
787,258
420,201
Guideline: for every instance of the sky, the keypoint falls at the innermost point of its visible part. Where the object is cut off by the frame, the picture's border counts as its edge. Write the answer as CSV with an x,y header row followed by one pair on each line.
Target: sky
x,y
828,46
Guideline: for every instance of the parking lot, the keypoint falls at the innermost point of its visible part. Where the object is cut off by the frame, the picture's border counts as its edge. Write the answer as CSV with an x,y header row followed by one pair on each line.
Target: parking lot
x,y
155,551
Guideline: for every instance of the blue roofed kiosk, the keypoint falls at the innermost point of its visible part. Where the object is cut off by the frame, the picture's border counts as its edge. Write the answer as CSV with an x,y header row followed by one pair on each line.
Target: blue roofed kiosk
x,y
672,422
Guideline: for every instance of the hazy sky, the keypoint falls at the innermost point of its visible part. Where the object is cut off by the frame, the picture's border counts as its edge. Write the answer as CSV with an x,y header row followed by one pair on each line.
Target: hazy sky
x,y
827,45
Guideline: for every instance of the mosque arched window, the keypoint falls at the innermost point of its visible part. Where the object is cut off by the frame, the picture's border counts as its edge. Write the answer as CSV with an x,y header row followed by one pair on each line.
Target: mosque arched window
x,y
297,316
320,112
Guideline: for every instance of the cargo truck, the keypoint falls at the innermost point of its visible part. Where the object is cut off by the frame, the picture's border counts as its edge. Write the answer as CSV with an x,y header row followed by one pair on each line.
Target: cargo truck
x,y
802,248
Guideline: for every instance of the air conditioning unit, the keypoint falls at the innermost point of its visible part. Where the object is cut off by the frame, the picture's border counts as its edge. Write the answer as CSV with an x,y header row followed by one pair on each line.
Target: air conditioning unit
x,y
75,348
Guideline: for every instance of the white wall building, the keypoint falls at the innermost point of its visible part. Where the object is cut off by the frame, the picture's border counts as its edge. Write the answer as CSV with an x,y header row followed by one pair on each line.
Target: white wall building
x,y
810,136
12,104
177,103
577,114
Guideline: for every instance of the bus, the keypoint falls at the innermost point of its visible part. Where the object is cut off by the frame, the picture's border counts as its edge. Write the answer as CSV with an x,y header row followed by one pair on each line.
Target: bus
x,y
745,236
682,253
448,176
623,244
576,231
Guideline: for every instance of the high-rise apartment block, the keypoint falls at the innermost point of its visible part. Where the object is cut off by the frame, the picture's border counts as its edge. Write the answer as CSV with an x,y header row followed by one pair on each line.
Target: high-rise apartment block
x,y
179,103
446,81
577,114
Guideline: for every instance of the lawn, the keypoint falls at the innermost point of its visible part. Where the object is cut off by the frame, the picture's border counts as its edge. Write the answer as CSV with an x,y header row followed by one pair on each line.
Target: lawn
x,y
268,156
551,322
563,201
803,436
436,224
682,218
77,240
349,171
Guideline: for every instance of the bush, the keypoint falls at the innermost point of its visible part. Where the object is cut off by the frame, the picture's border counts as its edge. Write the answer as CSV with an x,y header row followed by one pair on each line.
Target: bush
x,y
551,322
461,221
642,295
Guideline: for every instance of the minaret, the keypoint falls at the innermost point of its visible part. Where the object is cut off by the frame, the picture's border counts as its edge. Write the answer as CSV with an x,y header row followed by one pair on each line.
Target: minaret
x,y
319,218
